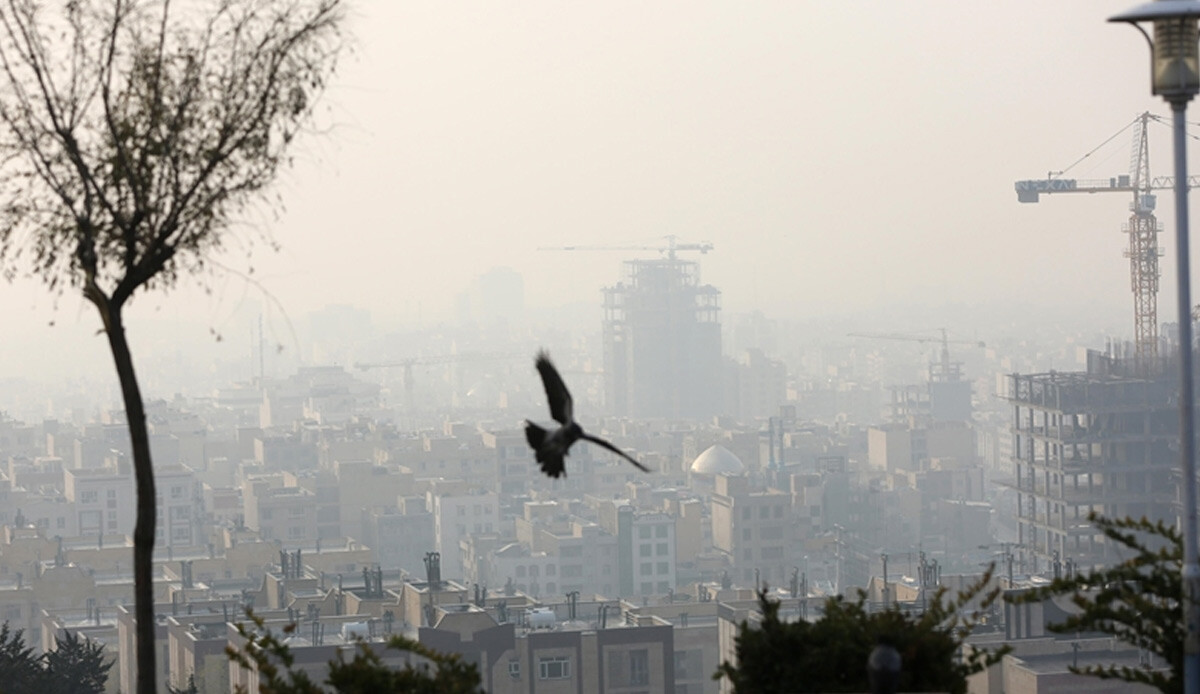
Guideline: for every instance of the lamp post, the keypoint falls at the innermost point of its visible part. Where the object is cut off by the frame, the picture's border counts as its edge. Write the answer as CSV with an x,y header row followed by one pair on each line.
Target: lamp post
x,y
1175,75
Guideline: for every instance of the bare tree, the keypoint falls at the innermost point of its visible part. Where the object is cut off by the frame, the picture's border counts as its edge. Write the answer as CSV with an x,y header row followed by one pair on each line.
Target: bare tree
x,y
134,132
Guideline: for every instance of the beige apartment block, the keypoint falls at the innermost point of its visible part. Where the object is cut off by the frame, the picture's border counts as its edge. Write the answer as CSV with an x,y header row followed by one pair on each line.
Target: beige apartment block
x,y
542,653
316,642
754,529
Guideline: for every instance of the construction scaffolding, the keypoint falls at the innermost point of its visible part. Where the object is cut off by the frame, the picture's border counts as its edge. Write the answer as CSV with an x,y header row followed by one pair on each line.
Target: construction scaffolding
x,y
662,341
1102,440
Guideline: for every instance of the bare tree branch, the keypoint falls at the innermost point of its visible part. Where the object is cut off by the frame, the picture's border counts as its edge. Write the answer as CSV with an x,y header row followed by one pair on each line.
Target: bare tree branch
x,y
132,132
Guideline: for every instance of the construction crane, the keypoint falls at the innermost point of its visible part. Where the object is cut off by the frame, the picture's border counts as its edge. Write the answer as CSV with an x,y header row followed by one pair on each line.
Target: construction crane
x,y
948,370
432,360
1142,228
670,250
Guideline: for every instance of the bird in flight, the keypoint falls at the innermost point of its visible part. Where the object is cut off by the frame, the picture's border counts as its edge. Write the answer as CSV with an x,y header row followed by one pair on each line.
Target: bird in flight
x,y
550,447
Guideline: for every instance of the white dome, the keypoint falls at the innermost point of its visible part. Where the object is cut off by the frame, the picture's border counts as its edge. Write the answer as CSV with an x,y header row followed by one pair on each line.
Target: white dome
x,y
717,460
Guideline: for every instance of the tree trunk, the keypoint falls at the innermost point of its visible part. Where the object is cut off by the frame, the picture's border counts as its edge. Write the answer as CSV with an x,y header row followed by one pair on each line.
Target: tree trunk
x,y
147,502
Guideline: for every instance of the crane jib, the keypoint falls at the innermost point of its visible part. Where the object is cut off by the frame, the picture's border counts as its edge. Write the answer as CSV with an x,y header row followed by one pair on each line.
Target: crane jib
x,y
1028,191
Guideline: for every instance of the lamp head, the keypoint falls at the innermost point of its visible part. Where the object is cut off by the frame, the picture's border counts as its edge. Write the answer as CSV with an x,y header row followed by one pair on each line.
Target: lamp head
x,y
1175,63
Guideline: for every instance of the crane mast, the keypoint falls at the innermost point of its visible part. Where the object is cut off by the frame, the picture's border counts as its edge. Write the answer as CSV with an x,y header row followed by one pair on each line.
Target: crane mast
x,y
1143,252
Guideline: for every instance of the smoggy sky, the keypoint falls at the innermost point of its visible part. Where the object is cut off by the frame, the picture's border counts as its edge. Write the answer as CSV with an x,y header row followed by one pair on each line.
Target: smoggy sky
x,y
841,156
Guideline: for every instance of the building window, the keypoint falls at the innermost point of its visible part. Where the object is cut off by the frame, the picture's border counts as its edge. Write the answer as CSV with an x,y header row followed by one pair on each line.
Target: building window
x,y
664,567
689,664
639,666
644,532
661,549
551,570
177,492
747,534
681,663
746,513
643,550
779,511
556,668
647,569
647,588
88,497
514,669
660,531
90,522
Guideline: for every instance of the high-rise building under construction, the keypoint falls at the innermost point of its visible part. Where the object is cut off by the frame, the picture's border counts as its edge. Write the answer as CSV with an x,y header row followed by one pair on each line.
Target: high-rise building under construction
x,y
662,341
1104,440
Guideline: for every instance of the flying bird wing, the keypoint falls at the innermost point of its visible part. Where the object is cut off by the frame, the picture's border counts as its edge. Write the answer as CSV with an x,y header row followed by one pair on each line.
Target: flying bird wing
x,y
550,458
605,444
556,391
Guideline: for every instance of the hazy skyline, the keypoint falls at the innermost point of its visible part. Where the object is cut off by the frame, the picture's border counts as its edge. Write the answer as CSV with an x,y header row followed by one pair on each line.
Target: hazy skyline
x,y
841,157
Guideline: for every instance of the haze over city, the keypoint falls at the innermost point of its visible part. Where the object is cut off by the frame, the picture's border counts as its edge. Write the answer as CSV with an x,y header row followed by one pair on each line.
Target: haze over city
x,y
769,256
845,160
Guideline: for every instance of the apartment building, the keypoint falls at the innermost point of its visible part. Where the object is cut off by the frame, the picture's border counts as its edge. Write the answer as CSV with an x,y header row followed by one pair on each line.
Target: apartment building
x,y
104,500
457,513
753,529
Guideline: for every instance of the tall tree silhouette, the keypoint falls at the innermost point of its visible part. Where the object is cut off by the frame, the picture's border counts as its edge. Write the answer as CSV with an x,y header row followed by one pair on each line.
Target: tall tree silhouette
x,y
77,665
831,654
133,133
20,669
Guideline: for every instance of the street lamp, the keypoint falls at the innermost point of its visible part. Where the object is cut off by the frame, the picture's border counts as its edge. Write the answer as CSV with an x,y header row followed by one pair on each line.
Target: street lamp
x,y
1175,76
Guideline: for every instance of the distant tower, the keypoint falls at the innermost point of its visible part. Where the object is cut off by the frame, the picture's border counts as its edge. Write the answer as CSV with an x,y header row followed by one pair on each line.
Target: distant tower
x,y
662,341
